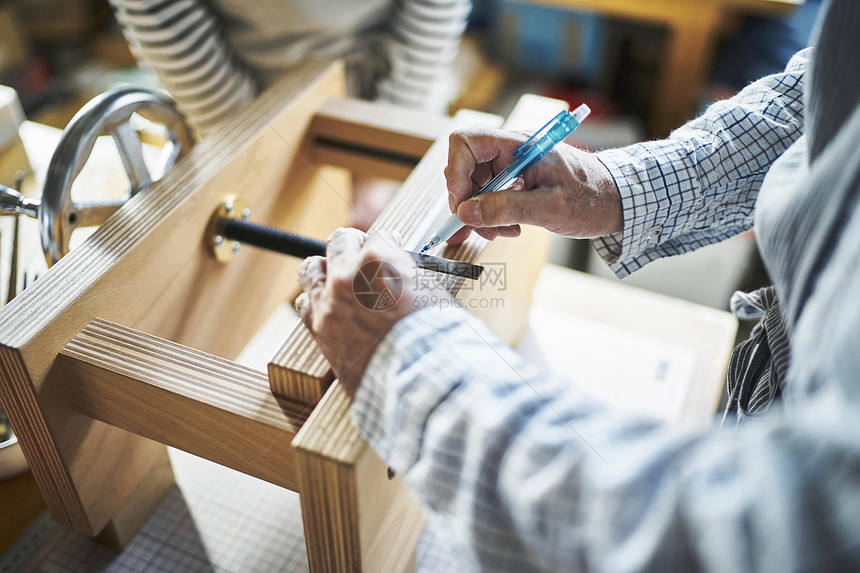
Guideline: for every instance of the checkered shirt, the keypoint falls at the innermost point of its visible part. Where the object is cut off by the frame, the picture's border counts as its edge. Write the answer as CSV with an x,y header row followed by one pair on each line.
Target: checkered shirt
x,y
699,186
521,471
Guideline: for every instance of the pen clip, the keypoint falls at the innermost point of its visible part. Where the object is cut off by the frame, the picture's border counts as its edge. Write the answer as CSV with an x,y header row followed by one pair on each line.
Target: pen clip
x,y
540,133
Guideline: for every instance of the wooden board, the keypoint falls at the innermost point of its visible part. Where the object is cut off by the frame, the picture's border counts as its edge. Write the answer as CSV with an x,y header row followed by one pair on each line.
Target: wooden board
x,y
148,268
702,332
356,519
374,138
197,402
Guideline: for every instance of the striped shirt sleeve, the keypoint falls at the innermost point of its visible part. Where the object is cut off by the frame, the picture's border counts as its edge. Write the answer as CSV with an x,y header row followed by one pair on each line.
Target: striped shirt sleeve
x,y
185,44
700,185
425,39
182,43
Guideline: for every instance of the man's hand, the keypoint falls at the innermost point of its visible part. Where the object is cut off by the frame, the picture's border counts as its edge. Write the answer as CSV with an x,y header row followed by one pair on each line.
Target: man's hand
x,y
355,295
569,192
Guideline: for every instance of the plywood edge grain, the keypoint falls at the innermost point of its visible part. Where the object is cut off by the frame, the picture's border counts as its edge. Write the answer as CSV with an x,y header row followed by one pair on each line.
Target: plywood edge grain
x,y
147,267
203,404
378,126
356,518
31,428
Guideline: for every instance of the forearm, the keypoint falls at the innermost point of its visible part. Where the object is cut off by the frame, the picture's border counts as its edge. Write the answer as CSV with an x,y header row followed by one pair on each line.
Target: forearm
x,y
506,456
528,473
700,185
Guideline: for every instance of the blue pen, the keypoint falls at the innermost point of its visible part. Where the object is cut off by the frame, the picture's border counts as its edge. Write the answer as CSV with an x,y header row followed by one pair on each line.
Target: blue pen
x,y
526,155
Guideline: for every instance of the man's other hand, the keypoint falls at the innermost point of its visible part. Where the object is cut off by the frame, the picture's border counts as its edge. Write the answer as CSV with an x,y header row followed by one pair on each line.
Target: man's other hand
x,y
354,296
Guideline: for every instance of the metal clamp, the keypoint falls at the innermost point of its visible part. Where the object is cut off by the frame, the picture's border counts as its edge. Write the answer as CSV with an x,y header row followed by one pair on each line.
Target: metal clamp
x,y
223,249
108,113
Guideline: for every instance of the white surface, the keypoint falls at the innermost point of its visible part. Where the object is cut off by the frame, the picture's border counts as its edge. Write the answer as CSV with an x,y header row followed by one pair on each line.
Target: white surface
x,y
623,368
706,276
11,115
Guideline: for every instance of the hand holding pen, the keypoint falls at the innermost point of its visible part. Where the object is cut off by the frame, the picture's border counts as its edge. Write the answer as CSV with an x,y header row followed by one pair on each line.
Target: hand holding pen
x,y
567,191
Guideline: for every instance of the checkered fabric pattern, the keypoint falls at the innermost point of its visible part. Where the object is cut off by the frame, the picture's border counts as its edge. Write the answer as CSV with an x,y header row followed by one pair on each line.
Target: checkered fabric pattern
x,y
523,472
700,185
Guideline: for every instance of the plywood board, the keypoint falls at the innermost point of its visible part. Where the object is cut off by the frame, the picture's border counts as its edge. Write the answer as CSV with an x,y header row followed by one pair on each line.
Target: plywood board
x,y
148,268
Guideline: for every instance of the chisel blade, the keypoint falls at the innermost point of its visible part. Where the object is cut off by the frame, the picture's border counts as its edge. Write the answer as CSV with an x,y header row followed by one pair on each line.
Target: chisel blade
x,y
447,266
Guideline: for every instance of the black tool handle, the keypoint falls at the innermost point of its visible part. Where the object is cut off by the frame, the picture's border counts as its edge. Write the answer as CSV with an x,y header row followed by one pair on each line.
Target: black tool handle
x,y
298,246
272,239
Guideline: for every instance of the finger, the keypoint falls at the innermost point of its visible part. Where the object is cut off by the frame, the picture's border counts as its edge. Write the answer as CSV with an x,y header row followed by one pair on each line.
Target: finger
x,y
343,250
509,231
312,275
303,308
460,236
467,150
391,238
508,207
488,233
385,246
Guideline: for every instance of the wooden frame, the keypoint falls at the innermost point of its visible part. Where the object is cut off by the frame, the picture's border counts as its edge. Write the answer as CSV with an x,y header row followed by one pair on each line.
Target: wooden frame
x,y
125,344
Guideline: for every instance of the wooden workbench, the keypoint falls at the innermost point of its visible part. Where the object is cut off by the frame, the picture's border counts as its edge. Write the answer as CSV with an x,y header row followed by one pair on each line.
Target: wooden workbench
x,y
567,283
694,27
615,317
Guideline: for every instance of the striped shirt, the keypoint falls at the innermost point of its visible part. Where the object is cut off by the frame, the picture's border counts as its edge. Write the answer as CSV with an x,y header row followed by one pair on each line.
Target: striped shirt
x,y
213,57
523,472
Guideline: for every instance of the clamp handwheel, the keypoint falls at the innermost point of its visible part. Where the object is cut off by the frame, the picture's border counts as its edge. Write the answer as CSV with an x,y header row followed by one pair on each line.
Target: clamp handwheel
x,y
108,113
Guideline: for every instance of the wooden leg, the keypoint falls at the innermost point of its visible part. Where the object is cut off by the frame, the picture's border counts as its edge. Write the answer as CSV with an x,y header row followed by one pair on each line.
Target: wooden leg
x,y
148,269
355,517
120,530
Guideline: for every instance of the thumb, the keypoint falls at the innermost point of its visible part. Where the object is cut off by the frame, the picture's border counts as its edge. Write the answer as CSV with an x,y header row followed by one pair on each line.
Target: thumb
x,y
507,207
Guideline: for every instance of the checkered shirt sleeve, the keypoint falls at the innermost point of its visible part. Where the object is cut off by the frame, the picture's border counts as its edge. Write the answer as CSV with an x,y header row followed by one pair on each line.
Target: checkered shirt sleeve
x,y
520,471
453,410
699,186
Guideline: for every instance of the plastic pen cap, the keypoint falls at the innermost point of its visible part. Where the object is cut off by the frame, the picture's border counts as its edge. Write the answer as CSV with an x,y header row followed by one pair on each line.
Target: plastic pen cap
x,y
581,113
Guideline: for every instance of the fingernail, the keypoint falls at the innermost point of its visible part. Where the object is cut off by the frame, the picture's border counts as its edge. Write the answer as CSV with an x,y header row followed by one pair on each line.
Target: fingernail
x,y
450,201
470,212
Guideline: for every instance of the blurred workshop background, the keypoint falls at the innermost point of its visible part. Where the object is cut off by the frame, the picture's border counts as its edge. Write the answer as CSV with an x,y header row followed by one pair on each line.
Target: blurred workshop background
x,y
643,66
643,69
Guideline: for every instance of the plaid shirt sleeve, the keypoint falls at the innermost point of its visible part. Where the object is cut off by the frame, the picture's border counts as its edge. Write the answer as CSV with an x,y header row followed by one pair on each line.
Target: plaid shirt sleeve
x,y
520,471
699,186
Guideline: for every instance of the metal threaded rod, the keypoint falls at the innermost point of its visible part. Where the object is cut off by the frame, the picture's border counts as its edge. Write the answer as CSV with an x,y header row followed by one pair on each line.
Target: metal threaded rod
x,y
298,246
272,239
